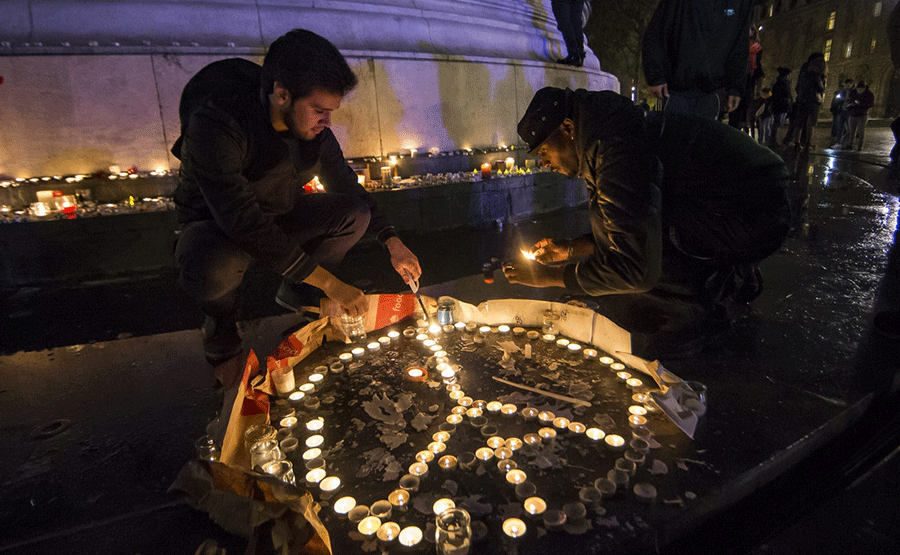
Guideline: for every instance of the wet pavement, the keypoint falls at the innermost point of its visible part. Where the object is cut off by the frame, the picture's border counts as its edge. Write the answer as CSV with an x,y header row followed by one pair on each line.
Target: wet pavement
x,y
104,388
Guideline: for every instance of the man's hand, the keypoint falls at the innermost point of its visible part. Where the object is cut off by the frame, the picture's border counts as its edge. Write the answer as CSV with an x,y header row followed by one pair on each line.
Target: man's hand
x,y
534,275
548,251
403,260
351,300
660,91
732,103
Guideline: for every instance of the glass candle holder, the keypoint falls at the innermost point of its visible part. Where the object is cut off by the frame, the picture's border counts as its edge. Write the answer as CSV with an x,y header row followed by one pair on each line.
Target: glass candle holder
x,y
281,469
354,328
264,451
550,321
453,532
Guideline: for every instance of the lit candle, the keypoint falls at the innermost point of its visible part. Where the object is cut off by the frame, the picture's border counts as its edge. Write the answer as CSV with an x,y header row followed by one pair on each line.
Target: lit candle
x,y
429,342
315,424
503,328
384,340
434,329
532,335
460,326
623,376
514,527
640,398
473,412
437,447
423,337
346,358
513,443
516,476
465,401
615,442
495,442
508,409
562,343
425,456
306,388
388,532
311,454
637,421
454,418
606,360
419,469
547,433
358,352
633,382
561,422
485,329
529,413
484,454
415,374
574,348
545,416
315,476
296,396
595,434
505,465
447,462
457,394
589,354
410,536
399,498
369,525
458,410
637,409
393,335
343,505
486,170
288,422
503,453
617,366
535,506
442,505
576,427
330,484
548,338
440,436
494,406
315,441
510,163
435,348
532,440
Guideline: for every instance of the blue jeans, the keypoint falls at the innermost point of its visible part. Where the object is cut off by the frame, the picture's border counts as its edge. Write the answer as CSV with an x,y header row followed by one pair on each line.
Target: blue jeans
x,y
212,266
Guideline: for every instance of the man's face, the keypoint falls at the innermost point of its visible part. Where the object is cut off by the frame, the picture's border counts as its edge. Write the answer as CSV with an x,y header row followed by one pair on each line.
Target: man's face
x,y
558,152
304,117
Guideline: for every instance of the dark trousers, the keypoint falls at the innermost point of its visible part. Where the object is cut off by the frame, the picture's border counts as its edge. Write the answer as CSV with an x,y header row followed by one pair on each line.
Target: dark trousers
x,y
212,266
803,123
569,15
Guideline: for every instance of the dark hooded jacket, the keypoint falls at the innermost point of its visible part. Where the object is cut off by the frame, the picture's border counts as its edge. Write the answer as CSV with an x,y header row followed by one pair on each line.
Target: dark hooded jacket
x,y
698,45
659,181
241,173
811,83
781,94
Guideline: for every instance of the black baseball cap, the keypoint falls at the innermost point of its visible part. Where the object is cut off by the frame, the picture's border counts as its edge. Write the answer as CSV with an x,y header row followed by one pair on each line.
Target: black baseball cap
x,y
545,113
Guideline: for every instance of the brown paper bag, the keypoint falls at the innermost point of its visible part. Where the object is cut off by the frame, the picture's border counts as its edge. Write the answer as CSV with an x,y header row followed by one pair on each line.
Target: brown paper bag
x,y
251,406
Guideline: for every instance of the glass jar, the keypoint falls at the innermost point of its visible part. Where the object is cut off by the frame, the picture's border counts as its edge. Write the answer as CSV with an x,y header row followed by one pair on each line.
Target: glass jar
x,y
550,322
453,534
354,327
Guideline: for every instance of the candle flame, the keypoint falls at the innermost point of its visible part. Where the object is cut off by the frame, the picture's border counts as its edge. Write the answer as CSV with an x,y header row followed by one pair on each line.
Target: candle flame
x,y
528,255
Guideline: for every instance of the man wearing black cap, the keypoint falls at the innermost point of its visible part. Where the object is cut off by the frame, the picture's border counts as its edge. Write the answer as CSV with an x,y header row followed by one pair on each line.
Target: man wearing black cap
x,y
681,209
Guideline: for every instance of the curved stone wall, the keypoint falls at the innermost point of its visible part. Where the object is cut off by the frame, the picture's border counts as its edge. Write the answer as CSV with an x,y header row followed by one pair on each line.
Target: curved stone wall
x,y
93,83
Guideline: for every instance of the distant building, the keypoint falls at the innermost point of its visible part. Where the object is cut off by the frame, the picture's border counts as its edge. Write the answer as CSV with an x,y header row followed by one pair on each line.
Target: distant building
x,y
851,33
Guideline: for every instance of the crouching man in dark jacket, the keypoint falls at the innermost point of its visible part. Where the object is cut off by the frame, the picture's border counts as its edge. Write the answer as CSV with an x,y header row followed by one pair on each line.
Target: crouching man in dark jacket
x,y
681,209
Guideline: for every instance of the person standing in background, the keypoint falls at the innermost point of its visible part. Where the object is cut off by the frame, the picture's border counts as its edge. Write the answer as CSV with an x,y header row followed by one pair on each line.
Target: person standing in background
x,y
839,113
765,118
743,117
569,16
858,103
810,93
780,103
695,50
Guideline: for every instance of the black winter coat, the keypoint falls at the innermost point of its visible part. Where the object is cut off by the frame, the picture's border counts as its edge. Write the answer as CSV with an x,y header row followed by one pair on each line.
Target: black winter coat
x,y
781,95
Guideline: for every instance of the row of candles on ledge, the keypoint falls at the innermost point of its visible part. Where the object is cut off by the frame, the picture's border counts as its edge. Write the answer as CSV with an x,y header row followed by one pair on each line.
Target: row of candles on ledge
x,y
374,520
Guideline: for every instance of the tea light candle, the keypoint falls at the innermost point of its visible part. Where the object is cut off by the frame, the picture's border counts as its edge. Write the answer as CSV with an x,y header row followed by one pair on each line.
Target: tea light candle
x,y
595,434
636,457
306,388
640,444
369,525
330,484
409,332
495,442
532,440
590,497
315,463
485,329
510,163
457,394
388,532
514,527
548,338
508,409
576,427
516,476
393,335
605,486
532,335
561,422
419,469
617,366
623,376
447,462
494,406
442,505
429,343
518,331
606,360
357,513
425,456
486,170
513,443
437,447
633,382
346,358
447,427
381,509
503,453
466,460
315,424
296,396
315,441
615,442
336,368
358,352
471,326
589,354
562,343
410,536
637,421
409,483
505,465
434,329
546,416
547,433
440,436
529,413
574,348
554,519
447,328
422,337
640,398
484,454
489,431
288,422
447,374
343,505
465,401
525,490
535,506
415,374
315,476
399,498
459,326
503,328
637,409
458,410
626,466
435,348
384,340
311,454
454,418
